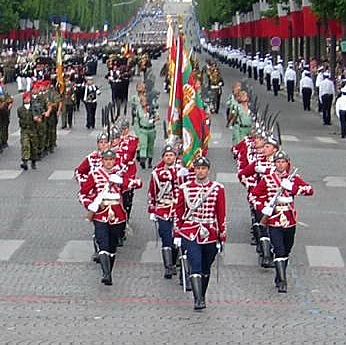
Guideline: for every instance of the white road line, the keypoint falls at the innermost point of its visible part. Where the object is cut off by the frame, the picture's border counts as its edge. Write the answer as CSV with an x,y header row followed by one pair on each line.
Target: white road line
x,y
61,175
76,251
8,247
323,256
326,140
9,174
289,138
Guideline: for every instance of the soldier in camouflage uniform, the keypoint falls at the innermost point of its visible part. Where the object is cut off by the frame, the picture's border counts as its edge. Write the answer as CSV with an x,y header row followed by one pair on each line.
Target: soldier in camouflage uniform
x,y
39,107
28,132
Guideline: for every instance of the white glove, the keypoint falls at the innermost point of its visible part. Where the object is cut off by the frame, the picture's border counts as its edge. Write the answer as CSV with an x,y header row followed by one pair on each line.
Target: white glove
x,y
285,183
94,206
152,217
268,211
183,172
285,199
260,169
177,241
116,179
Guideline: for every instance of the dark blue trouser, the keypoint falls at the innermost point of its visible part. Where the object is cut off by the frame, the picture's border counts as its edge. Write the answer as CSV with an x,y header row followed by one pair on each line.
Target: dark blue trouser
x,y
166,232
107,236
200,256
282,240
342,114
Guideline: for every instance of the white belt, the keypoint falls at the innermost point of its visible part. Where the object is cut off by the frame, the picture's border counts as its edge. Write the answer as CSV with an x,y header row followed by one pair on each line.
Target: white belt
x,y
110,202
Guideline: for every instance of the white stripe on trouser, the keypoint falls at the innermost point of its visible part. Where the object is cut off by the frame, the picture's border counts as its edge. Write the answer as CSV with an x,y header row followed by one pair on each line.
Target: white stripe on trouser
x,y
280,259
105,252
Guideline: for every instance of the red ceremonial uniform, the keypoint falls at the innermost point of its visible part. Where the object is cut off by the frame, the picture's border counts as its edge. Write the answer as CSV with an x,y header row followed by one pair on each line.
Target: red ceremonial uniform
x,y
98,185
91,162
128,146
201,212
284,214
163,192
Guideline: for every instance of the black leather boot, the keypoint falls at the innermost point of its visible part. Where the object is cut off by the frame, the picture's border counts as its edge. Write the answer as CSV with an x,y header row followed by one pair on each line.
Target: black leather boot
x,y
267,261
255,234
281,269
33,164
174,260
142,163
24,164
167,262
106,269
205,283
196,283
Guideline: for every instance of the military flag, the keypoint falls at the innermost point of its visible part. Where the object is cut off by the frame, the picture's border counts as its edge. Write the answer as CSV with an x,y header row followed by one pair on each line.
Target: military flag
x,y
60,62
196,132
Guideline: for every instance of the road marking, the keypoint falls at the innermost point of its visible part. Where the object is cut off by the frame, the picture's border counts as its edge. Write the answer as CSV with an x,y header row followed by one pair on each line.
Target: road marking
x,y
241,254
326,140
61,175
152,253
63,132
227,178
9,174
323,256
76,251
8,247
335,181
289,138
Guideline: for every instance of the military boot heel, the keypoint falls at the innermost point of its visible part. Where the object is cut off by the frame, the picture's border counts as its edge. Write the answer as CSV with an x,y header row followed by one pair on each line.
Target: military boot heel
x,y
33,165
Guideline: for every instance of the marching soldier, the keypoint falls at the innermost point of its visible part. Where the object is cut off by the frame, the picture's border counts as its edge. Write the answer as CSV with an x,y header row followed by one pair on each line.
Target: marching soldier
x,y
268,69
306,88
101,194
275,80
28,134
91,91
201,225
162,198
215,84
274,199
146,132
260,69
326,95
68,103
290,80
242,123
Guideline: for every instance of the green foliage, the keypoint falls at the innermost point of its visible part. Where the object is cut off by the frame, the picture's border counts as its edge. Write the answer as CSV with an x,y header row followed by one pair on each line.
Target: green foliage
x,y
84,13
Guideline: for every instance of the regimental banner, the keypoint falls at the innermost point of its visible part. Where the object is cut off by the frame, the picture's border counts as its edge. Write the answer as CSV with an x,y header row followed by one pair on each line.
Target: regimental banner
x,y
196,132
176,88
60,63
